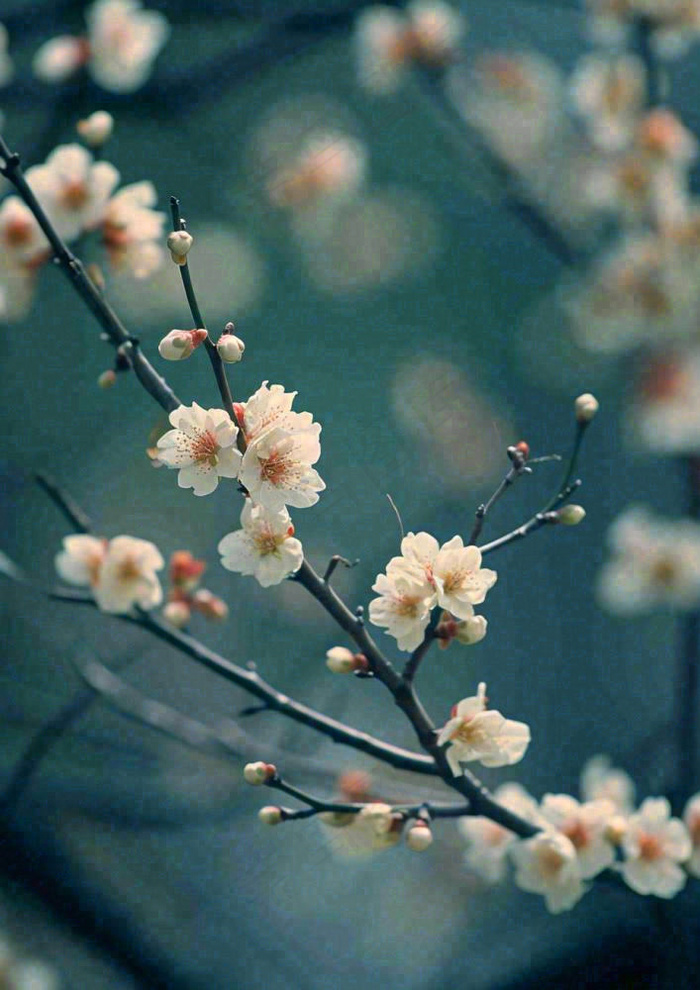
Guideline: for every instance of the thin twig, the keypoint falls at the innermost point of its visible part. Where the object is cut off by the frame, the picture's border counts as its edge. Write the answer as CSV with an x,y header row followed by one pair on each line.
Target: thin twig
x,y
66,503
517,468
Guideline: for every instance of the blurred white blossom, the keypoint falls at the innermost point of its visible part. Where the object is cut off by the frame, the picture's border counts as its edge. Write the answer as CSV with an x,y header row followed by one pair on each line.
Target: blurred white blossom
x,y
547,864
654,844
585,825
120,572
488,842
132,230
600,780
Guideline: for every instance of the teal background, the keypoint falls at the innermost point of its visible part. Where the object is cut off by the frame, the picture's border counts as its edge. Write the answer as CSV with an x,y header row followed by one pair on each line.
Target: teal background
x,y
161,845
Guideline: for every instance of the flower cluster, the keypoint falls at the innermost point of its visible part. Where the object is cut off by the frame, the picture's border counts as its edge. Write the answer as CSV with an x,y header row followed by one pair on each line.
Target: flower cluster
x,y
655,562
578,840
121,573
425,575
185,595
118,50
77,195
475,733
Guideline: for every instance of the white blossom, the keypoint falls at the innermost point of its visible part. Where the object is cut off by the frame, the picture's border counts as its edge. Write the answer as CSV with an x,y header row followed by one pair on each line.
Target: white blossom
x,y
132,230
60,58
655,562
403,607
265,546
665,414
202,446
547,864
477,734
81,559
73,189
453,570
600,781
268,408
488,842
328,165
96,129
654,844
22,240
609,92
121,573
585,825
179,344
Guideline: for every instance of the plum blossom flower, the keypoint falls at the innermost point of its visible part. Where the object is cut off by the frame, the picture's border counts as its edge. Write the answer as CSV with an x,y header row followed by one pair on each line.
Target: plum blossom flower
x,y
665,414
265,546
132,230
600,781
120,573
73,189
488,841
388,41
121,44
403,607
654,844
674,24
281,447
655,562
202,446
609,92
585,825
327,166
476,734
547,864
453,570
23,249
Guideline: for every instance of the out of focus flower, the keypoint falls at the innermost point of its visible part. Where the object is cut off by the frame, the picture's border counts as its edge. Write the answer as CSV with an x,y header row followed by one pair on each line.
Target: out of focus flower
x,y
389,42
488,841
328,165
691,818
265,546
23,249
585,825
654,845
547,864
121,44
609,93
673,24
600,781
665,414
185,570
655,562
121,573
17,973
96,129
477,734
7,68
132,230
73,189
202,446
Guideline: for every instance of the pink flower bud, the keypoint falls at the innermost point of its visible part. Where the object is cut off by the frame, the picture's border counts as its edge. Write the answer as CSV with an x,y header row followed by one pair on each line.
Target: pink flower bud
x,y
179,243
186,570
258,773
270,815
96,129
177,613
230,348
179,344
210,605
107,379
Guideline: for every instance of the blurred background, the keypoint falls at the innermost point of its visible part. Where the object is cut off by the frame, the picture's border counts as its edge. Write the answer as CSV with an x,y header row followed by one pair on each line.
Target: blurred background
x,y
418,318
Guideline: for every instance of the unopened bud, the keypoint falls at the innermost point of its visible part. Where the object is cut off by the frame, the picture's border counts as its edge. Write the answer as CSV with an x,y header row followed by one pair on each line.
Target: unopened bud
x,y
340,660
472,630
270,815
337,819
107,379
258,773
186,570
210,605
419,837
177,613
230,348
571,515
585,407
179,344
96,129
179,243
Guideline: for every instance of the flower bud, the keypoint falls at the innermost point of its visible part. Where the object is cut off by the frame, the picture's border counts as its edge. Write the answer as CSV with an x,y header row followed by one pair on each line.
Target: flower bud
x,y
179,243
585,407
230,348
419,837
179,344
258,773
472,630
186,570
96,129
571,515
177,613
270,815
107,379
340,660
210,605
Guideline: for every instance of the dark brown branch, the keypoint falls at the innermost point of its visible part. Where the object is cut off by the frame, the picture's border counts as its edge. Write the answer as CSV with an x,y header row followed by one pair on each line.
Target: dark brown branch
x,y
518,467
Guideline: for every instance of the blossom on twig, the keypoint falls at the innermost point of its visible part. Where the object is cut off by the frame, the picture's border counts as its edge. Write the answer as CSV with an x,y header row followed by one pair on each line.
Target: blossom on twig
x,y
121,573
477,734
488,841
547,864
403,607
265,546
654,844
585,825
202,446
